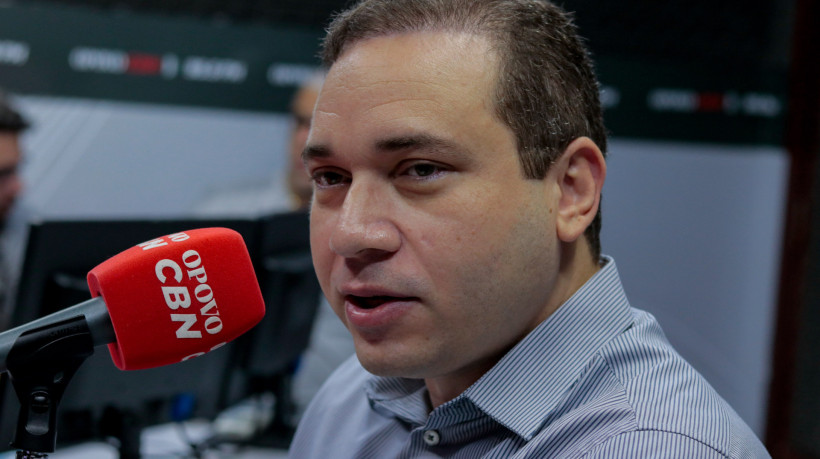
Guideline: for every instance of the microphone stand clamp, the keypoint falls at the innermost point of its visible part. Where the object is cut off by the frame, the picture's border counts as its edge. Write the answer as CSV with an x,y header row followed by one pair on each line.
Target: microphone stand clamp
x,y
40,364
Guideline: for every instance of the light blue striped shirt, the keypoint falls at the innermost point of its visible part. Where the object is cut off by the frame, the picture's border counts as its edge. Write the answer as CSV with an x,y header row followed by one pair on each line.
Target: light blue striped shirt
x,y
597,379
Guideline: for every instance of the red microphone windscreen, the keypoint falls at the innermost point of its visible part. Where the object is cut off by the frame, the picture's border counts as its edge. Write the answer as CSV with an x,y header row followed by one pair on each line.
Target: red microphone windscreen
x,y
178,296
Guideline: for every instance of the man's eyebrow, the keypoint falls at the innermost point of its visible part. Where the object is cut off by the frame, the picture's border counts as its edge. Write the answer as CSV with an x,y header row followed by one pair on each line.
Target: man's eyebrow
x,y
389,144
414,142
315,151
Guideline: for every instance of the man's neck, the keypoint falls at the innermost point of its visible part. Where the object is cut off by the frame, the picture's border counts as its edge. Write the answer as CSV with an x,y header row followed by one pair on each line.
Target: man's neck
x,y
577,266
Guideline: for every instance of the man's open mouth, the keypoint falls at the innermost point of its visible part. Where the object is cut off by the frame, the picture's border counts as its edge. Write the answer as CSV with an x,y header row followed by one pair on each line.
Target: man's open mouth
x,y
371,302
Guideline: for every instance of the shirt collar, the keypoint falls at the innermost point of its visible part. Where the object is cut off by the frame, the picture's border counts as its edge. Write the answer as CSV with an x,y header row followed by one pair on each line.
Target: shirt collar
x,y
525,386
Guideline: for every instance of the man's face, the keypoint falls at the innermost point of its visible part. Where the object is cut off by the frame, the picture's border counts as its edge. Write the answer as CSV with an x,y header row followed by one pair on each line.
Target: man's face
x,y
430,245
10,184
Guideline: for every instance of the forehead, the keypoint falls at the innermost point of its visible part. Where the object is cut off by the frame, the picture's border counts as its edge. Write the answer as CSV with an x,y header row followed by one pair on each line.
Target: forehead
x,y
431,82
415,65
412,50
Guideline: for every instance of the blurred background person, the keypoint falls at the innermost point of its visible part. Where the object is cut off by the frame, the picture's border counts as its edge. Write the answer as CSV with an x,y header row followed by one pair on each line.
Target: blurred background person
x,y
301,110
257,199
12,124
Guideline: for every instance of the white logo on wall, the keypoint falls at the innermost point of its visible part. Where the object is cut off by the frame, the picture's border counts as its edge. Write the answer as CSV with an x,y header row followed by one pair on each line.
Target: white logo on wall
x,y
170,66
280,74
14,52
192,68
610,97
98,60
214,70
731,103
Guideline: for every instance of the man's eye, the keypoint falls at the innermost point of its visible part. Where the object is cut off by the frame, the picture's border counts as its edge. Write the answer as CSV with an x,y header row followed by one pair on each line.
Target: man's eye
x,y
328,178
423,170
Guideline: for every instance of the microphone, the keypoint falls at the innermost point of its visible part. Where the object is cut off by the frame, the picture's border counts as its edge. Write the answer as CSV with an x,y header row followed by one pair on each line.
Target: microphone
x,y
166,300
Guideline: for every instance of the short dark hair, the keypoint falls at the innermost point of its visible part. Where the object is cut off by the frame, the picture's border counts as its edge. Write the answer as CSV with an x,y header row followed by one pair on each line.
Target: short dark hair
x,y
10,119
547,92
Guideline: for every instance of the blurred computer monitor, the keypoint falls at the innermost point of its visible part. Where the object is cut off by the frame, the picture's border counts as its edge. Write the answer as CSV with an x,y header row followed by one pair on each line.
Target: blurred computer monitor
x,y
267,356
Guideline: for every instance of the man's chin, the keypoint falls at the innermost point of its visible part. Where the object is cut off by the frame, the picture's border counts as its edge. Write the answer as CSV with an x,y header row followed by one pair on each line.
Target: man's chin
x,y
390,366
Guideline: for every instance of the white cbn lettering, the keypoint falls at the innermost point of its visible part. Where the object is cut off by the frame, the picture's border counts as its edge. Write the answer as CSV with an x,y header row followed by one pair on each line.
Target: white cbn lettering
x,y
203,353
213,325
162,264
176,297
199,274
187,256
192,356
152,244
209,309
203,293
179,237
184,330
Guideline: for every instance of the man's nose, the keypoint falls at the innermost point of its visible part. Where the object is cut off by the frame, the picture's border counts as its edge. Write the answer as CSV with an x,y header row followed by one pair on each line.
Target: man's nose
x,y
365,228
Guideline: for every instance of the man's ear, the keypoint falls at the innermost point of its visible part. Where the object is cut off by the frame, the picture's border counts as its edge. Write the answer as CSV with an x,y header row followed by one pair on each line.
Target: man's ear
x,y
581,172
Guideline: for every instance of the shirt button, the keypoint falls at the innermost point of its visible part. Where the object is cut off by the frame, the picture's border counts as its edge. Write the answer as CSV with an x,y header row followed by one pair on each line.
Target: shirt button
x,y
432,437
